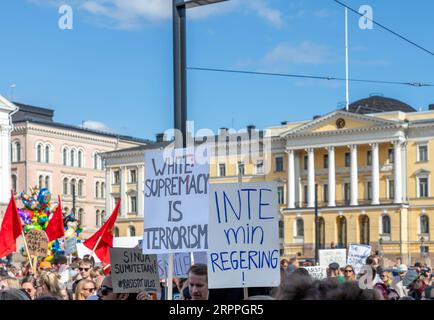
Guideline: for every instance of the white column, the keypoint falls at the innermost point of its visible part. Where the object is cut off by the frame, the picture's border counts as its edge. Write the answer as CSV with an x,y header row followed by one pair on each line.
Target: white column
x,y
311,178
141,190
375,174
354,176
124,197
332,177
291,180
297,178
398,171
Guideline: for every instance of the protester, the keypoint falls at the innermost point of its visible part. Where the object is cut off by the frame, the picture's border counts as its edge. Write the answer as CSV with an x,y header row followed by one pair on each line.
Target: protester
x,y
85,268
384,287
198,282
349,273
84,289
399,286
60,265
66,293
13,294
28,284
293,265
418,267
284,264
48,284
106,292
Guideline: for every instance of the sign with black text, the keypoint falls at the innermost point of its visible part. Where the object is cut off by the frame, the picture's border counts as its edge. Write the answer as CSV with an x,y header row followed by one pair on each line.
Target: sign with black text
x,y
37,242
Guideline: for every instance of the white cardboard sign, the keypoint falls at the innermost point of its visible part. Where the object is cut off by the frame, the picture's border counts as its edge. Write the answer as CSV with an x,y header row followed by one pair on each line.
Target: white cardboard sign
x,y
357,254
181,264
328,256
317,272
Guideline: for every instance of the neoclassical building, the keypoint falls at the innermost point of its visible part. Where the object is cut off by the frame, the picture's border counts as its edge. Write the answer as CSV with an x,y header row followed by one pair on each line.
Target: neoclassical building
x,y
65,159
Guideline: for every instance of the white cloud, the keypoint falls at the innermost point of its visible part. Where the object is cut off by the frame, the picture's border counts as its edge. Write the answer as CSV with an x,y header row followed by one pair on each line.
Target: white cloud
x,y
95,125
306,53
323,13
261,7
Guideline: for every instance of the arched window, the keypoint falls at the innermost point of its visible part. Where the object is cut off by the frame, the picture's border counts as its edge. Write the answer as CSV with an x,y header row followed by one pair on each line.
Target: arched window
x,y
102,217
132,231
299,227
47,182
80,159
95,161
116,232
321,223
17,152
14,183
65,186
102,190
80,188
342,232
72,158
41,181
39,153
47,154
385,221
364,229
65,157
281,229
97,189
97,216
424,224
73,190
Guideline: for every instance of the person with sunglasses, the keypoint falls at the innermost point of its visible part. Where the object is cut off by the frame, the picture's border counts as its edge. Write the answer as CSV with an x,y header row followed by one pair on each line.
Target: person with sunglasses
x,y
85,288
106,291
84,269
28,284
349,273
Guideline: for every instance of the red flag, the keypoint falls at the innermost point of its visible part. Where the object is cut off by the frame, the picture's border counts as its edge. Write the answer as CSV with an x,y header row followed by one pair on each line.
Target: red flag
x,y
11,229
55,228
102,240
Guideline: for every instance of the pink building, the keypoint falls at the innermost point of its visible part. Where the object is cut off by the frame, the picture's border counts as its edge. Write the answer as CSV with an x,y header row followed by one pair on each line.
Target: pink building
x,y
64,159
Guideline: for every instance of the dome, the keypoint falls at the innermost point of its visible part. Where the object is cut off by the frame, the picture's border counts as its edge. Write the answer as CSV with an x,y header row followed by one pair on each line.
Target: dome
x,y
377,104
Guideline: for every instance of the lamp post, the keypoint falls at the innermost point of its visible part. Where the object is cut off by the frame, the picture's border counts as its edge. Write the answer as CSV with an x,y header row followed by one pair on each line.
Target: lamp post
x,y
180,64
422,240
317,233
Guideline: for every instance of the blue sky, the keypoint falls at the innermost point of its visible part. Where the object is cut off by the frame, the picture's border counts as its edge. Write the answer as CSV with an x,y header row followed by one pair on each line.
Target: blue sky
x,y
115,66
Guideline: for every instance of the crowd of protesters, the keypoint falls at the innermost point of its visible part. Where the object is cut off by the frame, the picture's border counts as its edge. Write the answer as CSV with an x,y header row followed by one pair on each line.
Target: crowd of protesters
x,y
81,279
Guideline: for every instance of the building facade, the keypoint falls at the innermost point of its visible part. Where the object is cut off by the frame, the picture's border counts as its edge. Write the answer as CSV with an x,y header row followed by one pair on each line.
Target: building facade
x,y
65,159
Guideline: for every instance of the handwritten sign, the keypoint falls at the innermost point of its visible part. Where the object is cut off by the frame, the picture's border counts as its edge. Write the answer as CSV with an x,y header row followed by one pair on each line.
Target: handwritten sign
x,y
37,242
133,271
328,256
317,272
70,245
243,236
176,202
200,257
357,254
181,264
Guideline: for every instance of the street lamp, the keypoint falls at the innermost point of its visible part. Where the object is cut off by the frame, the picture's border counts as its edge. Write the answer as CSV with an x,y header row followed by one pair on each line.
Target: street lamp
x,y
180,64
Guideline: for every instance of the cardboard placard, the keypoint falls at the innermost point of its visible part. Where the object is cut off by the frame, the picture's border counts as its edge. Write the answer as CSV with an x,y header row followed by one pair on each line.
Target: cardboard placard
x,y
327,256
37,242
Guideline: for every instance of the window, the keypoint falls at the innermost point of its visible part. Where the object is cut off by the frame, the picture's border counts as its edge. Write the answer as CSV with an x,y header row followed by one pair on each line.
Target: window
x,y
279,164
47,182
305,193
347,159
39,153
116,176
73,191
299,228
422,153
80,188
97,190
132,231
97,216
95,161
342,232
369,158
281,195
47,154
72,158
241,168
326,193
321,231
222,170
116,232
385,221
17,152
134,204
65,186
65,157
424,224
305,160
364,229
41,180
326,161
391,156
80,159
391,189
14,183
102,190
369,190
133,176
347,190
423,187
281,229
260,167
102,217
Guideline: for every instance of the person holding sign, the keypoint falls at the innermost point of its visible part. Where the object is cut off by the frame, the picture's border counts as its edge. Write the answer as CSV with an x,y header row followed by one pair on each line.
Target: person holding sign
x,y
198,282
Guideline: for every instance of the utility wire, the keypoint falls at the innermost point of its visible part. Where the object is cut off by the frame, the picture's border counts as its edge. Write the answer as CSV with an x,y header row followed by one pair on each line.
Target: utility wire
x,y
414,84
386,28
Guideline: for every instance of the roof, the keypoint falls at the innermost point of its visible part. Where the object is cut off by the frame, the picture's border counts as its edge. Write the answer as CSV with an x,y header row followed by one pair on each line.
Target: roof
x,y
27,112
150,146
378,104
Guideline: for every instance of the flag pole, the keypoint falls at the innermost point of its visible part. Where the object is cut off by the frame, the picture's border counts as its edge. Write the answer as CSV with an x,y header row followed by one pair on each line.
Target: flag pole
x,y
96,245
27,249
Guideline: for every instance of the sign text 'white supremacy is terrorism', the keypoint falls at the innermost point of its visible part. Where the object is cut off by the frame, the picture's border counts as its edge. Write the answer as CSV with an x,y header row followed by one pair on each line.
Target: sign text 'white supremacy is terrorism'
x,y
176,202
243,235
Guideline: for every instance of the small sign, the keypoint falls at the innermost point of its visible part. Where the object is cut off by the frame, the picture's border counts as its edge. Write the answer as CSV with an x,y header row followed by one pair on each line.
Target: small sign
x,y
37,242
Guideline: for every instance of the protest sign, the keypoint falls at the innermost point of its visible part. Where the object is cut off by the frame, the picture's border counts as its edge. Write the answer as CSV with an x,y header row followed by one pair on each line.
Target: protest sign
x,y
70,245
176,202
357,254
200,257
132,271
317,272
181,264
328,256
37,242
243,236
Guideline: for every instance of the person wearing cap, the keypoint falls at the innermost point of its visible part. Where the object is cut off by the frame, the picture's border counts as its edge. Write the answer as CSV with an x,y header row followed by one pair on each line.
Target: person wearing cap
x,y
334,272
45,266
399,286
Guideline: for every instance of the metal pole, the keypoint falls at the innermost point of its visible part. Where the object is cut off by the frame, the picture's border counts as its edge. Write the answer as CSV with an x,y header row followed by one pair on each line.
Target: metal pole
x,y
317,235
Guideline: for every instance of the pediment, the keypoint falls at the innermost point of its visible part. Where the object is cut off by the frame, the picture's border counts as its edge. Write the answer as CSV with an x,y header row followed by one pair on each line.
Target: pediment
x,y
339,121
6,105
